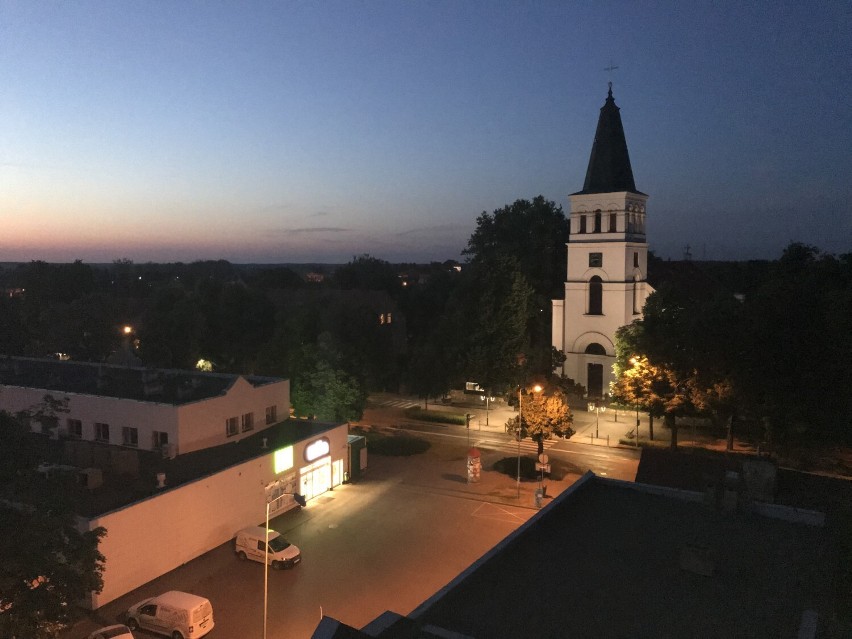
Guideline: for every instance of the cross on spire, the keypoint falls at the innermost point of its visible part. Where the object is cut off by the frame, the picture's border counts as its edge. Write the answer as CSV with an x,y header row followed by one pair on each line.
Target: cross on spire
x,y
609,70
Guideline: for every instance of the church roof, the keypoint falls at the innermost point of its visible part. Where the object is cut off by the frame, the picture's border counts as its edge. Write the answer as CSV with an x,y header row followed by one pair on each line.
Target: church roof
x,y
609,165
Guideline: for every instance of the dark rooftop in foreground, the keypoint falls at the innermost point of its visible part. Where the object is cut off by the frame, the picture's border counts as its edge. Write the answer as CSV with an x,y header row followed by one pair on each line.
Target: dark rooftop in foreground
x,y
129,475
614,559
160,386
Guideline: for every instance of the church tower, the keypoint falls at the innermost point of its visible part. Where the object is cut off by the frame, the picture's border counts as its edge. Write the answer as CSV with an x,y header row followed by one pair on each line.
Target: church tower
x,y
605,285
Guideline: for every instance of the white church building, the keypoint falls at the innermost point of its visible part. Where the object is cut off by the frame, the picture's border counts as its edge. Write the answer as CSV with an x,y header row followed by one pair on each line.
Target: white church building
x,y
605,283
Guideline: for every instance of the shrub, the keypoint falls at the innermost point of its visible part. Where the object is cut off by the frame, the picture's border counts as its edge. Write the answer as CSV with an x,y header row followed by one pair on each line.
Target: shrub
x,y
415,412
399,445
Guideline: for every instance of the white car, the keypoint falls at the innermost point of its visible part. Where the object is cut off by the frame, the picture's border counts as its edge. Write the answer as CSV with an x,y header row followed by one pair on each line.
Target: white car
x,y
118,631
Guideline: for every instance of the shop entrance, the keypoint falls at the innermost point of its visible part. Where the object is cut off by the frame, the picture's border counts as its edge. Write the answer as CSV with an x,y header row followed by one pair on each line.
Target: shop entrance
x,y
315,478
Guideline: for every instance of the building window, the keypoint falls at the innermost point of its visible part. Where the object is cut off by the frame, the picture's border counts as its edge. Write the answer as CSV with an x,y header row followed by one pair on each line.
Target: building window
x,y
596,260
130,436
389,318
635,297
75,428
582,224
271,414
231,427
101,432
596,296
248,421
598,221
612,223
636,260
159,439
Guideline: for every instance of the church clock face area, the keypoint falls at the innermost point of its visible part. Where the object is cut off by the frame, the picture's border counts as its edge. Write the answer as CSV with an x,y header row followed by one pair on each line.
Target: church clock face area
x,y
605,279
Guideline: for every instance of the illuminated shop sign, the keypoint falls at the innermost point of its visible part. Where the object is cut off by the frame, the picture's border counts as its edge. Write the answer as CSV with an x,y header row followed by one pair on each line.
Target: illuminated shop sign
x,y
283,459
317,449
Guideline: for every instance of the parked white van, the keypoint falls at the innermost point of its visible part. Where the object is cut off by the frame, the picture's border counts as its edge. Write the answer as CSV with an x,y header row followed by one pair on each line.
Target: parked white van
x,y
179,615
250,543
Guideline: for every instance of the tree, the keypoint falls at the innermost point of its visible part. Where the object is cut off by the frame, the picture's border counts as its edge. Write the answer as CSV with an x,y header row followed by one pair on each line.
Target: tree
x,y
488,315
533,233
367,273
543,415
321,389
46,563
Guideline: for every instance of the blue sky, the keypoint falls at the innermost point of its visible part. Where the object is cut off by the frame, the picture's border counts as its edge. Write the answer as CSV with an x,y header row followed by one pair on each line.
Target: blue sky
x,y
317,131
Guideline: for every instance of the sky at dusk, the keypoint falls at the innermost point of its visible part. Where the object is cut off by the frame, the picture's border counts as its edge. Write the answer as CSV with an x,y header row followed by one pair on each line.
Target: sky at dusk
x,y
286,131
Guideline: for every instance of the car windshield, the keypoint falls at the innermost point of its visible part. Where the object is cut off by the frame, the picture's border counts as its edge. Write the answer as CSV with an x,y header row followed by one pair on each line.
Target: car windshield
x,y
278,544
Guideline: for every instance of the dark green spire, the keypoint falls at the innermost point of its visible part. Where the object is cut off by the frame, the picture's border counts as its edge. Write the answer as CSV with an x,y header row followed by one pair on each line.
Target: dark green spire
x,y
609,165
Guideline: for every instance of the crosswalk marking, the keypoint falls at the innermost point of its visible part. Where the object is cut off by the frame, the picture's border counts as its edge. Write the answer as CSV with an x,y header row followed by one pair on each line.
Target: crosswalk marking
x,y
398,403
527,445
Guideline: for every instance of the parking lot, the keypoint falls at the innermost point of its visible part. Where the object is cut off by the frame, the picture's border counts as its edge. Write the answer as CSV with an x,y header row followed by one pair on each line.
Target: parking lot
x,y
384,543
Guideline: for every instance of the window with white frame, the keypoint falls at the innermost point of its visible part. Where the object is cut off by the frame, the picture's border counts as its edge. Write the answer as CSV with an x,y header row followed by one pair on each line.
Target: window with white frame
x,y
101,432
271,414
130,436
248,421
75,428
231,426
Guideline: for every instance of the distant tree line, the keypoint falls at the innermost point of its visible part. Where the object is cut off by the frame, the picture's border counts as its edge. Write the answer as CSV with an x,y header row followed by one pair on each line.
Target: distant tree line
x,y
777,356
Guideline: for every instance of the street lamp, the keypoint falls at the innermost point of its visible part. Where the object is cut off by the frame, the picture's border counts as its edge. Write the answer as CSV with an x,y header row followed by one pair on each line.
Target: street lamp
x,y
299,500
536,389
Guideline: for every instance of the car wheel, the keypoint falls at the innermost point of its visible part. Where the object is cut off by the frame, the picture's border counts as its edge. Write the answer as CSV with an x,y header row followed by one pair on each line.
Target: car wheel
x,y
276,565
177,635
241,555
133,624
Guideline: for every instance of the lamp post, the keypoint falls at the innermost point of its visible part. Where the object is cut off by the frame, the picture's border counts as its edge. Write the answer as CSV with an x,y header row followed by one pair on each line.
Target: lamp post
x,y
536,389
299,500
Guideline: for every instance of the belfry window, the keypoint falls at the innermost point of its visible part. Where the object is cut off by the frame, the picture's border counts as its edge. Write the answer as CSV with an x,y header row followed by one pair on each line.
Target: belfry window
x,y
582,224
596,296
598,221
612,223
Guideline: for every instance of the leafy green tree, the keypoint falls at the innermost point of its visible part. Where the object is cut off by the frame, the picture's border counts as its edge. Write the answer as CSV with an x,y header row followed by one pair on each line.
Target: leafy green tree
x,y
367,273
428,373
543,415
488,318
534,233
321,389
46,563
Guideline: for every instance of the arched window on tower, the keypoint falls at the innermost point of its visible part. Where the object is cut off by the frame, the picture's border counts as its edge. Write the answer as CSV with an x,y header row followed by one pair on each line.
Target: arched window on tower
x,y
596,296
636,296
582,224
595,349
598,221
612,223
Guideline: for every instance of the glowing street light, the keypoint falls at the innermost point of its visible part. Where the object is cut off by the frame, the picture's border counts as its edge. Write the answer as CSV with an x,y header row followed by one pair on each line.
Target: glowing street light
x,y
536,389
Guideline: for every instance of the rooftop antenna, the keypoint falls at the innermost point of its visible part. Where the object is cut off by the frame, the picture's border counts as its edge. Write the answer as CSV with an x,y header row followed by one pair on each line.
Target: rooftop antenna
x,y
687,254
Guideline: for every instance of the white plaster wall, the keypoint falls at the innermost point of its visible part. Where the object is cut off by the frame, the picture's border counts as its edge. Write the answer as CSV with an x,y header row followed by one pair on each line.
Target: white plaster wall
x,y
118,413
202,424
190,427
152,537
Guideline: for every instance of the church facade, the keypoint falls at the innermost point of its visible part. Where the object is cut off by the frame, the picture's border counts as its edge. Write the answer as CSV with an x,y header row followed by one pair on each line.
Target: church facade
x,y
607,264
